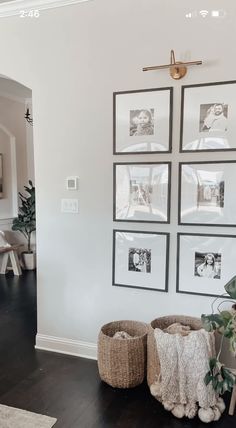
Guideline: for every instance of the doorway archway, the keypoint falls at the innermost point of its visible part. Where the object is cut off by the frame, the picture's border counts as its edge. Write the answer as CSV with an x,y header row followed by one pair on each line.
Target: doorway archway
x,y
16,147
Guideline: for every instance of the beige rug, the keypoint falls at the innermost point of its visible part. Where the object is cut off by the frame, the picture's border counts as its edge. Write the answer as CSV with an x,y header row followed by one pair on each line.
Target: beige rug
x,y
16,418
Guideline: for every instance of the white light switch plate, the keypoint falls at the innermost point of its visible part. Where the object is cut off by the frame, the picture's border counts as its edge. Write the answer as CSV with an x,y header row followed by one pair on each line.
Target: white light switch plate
x,y
70,206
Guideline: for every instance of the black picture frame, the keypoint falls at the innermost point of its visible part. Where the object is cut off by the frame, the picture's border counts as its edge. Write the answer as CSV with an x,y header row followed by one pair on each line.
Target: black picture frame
x,y
126,140
218,140
216,195
166,256
168,203
178,258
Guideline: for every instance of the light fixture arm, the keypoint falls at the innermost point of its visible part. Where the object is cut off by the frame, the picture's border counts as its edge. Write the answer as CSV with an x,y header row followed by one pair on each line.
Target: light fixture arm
x,y
177,69
172,57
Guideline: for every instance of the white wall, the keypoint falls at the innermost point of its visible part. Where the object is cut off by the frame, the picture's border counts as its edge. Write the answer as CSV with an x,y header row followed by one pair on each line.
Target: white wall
x,y
73,59
6,202
12,118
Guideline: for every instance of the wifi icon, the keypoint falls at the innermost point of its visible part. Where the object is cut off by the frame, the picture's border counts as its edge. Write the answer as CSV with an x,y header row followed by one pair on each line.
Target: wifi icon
x,y
203,13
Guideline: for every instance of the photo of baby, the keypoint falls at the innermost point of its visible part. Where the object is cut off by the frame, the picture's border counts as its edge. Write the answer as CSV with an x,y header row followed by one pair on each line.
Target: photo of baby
x,y
141,122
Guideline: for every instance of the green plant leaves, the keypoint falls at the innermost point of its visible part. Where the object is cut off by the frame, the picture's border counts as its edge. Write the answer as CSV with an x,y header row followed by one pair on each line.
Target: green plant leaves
x,y
230,287
208,378
222,378
212,363
224,322
26,220
226,315
213,322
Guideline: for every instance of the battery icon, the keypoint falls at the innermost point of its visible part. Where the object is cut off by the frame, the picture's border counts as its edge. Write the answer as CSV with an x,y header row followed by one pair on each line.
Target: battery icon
x,y
218,13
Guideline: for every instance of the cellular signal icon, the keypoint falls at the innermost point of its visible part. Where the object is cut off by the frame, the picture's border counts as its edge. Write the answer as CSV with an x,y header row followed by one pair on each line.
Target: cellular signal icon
x,y
203,13
191,14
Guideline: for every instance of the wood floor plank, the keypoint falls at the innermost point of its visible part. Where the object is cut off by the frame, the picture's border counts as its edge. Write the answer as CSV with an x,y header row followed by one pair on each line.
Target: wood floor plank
x,y
65,387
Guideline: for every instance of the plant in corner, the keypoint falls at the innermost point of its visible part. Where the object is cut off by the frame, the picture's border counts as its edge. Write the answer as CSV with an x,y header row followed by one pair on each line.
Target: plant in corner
x,y
223,322
26,223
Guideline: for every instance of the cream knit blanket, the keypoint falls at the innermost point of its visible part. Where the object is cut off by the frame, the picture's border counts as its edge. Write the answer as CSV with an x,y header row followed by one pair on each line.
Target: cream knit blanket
x,y
184,362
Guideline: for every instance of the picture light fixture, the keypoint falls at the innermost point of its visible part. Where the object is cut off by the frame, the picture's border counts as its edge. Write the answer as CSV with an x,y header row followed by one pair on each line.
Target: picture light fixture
x,y
177,69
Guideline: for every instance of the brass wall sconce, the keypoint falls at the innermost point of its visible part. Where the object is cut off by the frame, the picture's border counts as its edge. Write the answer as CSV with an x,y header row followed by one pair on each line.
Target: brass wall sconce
x,y
177,69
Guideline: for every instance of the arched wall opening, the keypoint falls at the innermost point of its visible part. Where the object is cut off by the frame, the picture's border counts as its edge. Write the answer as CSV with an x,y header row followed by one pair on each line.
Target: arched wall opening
x,y
16,150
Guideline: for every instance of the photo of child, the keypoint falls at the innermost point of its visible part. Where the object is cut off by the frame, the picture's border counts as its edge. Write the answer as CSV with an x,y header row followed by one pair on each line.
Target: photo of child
x,y
207,265
141,122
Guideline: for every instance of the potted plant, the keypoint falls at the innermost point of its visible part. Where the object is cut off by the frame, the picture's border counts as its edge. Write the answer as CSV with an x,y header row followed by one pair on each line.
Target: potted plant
x,y
26,224
223,322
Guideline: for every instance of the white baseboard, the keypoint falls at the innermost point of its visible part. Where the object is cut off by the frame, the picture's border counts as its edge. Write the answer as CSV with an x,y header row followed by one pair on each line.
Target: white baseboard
x,y
66,346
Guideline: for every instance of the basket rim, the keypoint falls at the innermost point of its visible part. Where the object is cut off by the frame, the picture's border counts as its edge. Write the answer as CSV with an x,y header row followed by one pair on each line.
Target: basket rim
x,y
140,336
165,317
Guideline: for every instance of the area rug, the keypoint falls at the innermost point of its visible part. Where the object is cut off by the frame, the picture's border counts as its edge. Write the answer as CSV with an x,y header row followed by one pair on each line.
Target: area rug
x,y
16,418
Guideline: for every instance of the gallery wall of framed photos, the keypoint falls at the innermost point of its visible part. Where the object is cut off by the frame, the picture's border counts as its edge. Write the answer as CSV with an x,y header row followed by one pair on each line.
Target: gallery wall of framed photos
x,y
181,190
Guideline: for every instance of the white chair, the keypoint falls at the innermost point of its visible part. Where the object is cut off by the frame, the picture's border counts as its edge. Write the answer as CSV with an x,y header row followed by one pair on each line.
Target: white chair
x,y
9,252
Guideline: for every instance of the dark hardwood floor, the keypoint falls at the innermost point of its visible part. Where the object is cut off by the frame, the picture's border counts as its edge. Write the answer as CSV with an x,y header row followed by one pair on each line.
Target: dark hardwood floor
x,y
67,388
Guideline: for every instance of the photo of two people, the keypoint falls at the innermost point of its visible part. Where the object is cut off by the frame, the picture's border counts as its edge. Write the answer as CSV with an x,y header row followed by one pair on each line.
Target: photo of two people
x,y
213,117
139,260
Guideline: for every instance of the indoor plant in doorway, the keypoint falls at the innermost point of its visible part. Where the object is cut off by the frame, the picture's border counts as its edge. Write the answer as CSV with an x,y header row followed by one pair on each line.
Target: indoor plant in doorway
x,y
26,224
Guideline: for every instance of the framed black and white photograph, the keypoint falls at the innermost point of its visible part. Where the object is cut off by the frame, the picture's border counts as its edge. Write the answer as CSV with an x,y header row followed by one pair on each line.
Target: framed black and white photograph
x,y
140,260
208,117
142,192
206,193
205,263
142,121
1,176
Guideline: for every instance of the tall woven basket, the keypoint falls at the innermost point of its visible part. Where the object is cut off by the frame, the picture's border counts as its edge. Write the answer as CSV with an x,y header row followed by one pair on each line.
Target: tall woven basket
x,y
153,362
122,362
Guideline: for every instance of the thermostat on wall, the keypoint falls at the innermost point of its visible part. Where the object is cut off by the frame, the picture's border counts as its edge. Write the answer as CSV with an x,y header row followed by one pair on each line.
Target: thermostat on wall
x,y
72,183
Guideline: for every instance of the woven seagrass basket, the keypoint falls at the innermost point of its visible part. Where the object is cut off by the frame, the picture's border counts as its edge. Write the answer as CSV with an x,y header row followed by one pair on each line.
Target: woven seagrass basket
x,y
153,362
122,362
